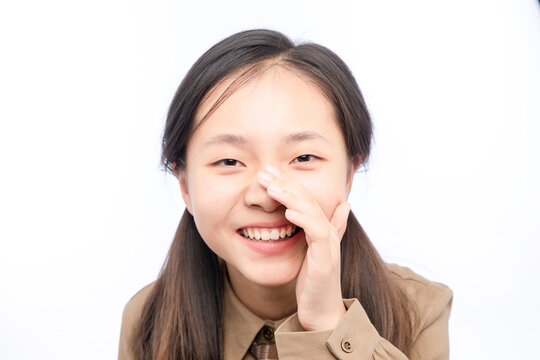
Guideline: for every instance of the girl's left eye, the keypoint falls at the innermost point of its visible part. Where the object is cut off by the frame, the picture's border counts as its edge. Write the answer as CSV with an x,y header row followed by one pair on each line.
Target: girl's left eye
x,y
228,162
305,158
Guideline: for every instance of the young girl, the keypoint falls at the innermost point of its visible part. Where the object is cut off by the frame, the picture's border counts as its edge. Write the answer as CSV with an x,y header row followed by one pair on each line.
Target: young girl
x,y
264,138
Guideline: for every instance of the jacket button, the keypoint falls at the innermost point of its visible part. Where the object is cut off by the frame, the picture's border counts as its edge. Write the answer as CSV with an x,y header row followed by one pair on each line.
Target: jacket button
x,y
347,345
268,333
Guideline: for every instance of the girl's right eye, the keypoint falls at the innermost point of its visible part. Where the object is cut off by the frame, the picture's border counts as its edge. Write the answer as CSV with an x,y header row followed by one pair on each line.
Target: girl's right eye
x,y
228,162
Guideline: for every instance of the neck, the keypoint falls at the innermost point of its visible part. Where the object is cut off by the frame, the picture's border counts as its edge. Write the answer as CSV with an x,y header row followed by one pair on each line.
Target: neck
x,y
269,303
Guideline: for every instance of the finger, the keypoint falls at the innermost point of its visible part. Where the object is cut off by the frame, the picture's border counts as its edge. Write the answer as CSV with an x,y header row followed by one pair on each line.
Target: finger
x,y
265,178
285,190
317,234
302,208
290,193
339,218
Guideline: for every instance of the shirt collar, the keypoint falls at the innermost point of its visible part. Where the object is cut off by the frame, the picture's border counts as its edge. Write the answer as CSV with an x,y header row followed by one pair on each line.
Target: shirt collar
x,y
240,326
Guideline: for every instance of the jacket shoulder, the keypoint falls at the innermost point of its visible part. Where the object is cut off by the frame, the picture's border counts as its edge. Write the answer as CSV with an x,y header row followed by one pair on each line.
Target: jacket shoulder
x,y
130,316
134,306
429,299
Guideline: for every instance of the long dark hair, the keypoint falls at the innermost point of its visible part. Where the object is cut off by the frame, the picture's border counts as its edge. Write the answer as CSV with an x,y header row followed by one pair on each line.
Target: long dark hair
x,y
182,317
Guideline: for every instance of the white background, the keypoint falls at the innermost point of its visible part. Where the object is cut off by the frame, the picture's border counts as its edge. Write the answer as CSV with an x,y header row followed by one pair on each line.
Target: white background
x,y
86,215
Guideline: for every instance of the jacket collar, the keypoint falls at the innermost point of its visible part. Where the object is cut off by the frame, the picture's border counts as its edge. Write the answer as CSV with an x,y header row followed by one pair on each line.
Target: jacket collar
x,y
240,326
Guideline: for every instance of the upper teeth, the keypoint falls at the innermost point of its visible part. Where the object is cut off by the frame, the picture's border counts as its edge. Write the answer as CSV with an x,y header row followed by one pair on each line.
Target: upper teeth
x,y
268,234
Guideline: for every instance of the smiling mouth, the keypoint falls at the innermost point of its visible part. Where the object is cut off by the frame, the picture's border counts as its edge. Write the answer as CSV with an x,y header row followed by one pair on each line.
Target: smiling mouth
x,y
273,234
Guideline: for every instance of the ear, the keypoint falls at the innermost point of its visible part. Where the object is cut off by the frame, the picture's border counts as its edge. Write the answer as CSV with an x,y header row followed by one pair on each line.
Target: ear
x,y
181,176
355,164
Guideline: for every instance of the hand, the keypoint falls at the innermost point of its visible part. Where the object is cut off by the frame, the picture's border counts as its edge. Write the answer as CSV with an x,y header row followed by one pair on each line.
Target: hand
x,y
318,286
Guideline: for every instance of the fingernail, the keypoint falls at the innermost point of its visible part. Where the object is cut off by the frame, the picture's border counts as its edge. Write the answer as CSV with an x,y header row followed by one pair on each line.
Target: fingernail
x,y
290,213
272,170
275,189
265,176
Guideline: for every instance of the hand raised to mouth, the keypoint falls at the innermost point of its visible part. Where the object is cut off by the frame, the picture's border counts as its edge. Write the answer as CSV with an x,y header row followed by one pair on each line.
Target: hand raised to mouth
x,y
318,286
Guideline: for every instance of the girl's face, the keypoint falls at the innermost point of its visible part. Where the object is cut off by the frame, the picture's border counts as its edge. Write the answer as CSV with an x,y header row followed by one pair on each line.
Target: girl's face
x,y
278,119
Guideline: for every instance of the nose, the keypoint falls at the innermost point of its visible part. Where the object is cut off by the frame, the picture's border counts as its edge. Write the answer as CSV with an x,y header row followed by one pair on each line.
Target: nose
x,y
255,196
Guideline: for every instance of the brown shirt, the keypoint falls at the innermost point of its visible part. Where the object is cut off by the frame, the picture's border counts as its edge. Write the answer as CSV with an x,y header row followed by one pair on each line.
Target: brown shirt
x,y
353,338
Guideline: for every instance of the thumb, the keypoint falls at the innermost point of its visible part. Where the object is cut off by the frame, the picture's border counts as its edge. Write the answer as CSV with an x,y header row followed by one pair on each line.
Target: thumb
x,y
339,218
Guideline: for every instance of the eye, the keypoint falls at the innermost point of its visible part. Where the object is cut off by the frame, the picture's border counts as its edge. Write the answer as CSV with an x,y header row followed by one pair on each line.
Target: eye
x,y
228,162
305,158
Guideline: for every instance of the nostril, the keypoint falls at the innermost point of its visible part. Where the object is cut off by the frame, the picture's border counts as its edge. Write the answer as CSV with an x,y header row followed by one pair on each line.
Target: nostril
x,y
256,195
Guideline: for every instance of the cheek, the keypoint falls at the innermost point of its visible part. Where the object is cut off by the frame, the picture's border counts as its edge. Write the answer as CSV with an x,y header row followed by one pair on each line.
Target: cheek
x,y
212,202
212,199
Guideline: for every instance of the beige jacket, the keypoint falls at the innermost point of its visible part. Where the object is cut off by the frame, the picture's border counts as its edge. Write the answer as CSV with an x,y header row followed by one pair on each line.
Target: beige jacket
x,y
353,338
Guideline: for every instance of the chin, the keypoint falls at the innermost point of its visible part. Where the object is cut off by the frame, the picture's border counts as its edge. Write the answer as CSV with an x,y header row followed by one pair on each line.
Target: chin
x,y
273,276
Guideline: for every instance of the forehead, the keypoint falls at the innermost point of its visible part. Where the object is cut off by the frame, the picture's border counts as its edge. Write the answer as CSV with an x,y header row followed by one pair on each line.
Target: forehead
x,y
277,97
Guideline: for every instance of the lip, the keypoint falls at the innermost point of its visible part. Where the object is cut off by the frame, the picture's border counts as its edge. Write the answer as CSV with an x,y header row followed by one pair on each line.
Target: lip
x,y
271,247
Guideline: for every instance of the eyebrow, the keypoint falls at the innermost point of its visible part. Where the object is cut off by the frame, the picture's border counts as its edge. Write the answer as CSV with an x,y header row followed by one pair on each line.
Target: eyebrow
x,y
303,136
227,139
234,139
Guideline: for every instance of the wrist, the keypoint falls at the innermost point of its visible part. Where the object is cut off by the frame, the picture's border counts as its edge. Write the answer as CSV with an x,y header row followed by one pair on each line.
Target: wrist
x,y
327,322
